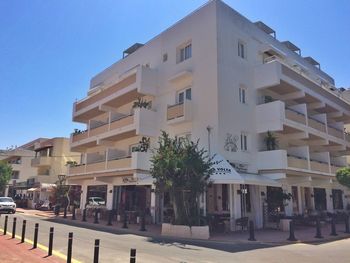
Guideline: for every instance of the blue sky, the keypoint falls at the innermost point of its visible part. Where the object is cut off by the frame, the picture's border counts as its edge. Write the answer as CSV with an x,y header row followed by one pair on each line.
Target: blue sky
x,y
49,50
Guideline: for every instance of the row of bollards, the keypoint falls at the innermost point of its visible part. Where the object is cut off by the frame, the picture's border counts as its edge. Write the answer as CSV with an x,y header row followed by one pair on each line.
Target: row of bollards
x,y
51,239
318,229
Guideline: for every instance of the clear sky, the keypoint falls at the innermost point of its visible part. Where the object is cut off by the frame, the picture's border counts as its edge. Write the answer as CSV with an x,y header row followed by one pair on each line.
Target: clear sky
x,y
49,50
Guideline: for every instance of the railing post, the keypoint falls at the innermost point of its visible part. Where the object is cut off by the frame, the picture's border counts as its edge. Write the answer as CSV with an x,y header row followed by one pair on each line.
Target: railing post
x,y
347,228
23,231
133,255
125,220
110,217
65,212
5,226
96,216
333,228
143,222
14,227
84,215
291,232
50,241
96,250
318,228
73,214
70,245
251,231
36,232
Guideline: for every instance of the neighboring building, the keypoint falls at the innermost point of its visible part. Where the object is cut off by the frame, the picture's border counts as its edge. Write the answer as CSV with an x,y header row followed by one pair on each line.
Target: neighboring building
x,y
217,77
20,160
36,166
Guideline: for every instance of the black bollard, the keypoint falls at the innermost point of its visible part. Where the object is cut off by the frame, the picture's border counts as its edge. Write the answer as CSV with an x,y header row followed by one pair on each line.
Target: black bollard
x,y
84,215
133,255
251,231
36,232
333,229
70,245
96,250
73,214
318,228
291,232
125,220
143,222
110,217
5,226
14,227
347,228
57,210
96,216
50,241
23,231
65,212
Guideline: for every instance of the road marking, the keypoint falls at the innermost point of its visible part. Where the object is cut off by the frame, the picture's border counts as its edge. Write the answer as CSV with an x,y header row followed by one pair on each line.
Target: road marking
x,y
45,248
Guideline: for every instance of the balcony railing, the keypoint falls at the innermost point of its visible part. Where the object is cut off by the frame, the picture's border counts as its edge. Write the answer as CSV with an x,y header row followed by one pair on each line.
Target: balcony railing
x,y
295,116
335,132
319,166
41,161
297,162
317,125
175,111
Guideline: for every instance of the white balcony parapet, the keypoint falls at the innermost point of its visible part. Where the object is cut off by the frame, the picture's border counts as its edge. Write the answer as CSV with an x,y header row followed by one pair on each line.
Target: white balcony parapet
x,y
179,113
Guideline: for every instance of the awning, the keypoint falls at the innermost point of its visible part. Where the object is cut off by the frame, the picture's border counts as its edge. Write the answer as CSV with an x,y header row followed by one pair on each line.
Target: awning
x,y
257,179
224,173
33,189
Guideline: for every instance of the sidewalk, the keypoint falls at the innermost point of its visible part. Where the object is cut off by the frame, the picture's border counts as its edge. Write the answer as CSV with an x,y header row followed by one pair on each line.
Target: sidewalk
x,y
13,251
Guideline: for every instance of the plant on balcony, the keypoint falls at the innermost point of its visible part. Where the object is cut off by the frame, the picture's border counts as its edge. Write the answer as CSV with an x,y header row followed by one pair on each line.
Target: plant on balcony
x,y
183,170
143,145
5,176
343,176
271,141
72,163
141,103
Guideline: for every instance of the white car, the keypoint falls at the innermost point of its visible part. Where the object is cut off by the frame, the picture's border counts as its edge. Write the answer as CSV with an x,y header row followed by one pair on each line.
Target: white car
x,y
7,205
94,202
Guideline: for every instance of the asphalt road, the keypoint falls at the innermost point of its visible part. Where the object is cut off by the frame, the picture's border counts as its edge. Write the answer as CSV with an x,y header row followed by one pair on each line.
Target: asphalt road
x,y
116,247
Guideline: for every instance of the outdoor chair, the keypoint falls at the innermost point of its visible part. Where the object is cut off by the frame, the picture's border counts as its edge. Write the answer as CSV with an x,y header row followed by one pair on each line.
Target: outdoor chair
x,y
242,222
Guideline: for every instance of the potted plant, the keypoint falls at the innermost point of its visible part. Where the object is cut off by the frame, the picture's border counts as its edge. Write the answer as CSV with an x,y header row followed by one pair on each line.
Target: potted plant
x,y
271,141
141,103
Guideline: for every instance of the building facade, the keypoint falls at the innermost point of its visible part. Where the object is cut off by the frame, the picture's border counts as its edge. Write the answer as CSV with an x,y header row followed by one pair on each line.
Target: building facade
x,y
216,77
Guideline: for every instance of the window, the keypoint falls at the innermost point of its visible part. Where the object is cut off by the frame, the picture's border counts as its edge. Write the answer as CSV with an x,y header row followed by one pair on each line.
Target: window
x,y
184,52
184,94
244,142
337,199
242,95
15,175
241,49
165,57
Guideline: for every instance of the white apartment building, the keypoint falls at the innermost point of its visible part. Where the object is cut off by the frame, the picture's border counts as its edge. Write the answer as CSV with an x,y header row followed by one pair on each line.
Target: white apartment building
x,y
220,78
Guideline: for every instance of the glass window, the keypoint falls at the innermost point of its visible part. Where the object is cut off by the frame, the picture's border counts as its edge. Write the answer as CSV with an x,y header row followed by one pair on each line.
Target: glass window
x,y
244,142
242,95
185,52
184,94
337,199
241,49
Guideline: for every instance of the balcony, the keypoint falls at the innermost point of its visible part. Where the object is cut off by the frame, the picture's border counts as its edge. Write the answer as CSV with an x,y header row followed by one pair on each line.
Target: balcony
x,y
130,85
336,133
137,161
41,161
179,113
141,123
317,125
280,160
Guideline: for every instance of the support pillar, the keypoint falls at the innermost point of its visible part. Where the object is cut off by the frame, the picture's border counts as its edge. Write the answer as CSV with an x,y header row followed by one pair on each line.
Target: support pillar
x,y
153,203
83,195
109,201
329,200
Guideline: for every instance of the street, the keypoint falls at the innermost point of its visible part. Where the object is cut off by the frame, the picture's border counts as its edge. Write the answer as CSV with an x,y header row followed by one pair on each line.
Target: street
x,y
116,247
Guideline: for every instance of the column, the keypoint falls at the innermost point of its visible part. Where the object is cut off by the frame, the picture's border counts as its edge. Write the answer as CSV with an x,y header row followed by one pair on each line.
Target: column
x,y
7,191
312,199
329,200
300,201
237,213
289,203
232,219
83,195
109,201
153,203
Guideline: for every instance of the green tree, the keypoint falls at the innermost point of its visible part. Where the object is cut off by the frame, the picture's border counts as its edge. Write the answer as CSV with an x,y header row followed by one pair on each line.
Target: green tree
x,y
182,169
343,176
5,175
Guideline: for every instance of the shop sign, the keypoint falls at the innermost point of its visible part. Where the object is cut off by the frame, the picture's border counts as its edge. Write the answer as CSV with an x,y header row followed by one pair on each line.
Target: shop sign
x,y
128,180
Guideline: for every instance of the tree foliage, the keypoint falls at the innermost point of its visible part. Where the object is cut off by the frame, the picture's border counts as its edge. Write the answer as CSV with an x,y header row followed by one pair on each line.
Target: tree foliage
x,y
343,176
5,175
182,169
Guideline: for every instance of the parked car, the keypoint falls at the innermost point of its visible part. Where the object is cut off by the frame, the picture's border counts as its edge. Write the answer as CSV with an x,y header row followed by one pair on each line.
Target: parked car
x,y
7,205
95,202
